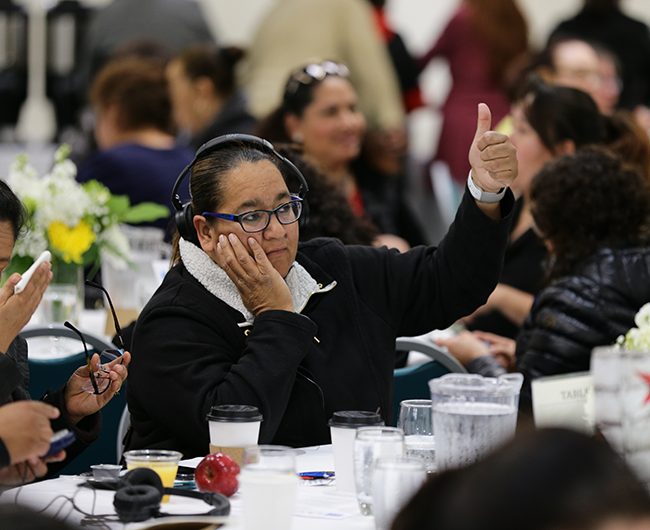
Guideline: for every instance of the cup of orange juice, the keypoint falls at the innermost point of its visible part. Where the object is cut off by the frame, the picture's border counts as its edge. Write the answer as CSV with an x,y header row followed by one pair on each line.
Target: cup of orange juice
x,y
163,462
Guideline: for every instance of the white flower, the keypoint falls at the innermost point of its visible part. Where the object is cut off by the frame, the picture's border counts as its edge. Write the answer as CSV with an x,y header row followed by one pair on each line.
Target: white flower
x,y
114,247
637,339
58,198
642,318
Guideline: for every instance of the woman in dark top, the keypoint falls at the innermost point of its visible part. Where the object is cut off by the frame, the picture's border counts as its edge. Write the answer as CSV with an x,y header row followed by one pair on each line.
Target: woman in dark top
x,y
205,98
549,121
138,153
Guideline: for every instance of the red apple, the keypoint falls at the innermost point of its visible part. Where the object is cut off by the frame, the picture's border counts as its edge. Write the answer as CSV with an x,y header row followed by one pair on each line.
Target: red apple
x,y
217,472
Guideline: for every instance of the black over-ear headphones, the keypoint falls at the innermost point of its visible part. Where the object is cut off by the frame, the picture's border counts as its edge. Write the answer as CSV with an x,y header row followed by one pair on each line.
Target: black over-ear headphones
x,y
184,217
140,492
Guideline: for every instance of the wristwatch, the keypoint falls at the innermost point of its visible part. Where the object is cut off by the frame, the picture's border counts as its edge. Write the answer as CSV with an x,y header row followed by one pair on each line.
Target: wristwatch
x,y
481,195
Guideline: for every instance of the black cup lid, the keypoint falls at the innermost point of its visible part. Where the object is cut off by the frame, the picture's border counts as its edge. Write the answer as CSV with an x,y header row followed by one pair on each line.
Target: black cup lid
x,y
351,419
234,413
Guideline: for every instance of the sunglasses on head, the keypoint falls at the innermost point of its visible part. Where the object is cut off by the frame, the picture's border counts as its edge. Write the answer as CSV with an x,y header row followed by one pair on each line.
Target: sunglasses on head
x,y
314,72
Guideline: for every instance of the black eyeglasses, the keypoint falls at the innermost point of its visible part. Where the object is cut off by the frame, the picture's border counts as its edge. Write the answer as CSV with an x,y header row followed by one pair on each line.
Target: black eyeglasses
x,y
99,381
258,220
314,72
118,330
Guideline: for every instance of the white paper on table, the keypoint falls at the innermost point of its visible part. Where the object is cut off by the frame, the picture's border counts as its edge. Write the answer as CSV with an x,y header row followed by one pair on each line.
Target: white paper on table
x,y
561,400
192,462
325,503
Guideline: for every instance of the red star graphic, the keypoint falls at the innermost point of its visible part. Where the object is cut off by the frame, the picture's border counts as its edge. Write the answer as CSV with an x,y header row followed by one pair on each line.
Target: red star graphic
x,y
646,378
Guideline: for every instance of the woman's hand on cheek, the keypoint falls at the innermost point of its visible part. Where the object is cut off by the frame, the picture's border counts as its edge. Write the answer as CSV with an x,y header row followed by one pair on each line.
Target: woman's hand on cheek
x,y
259,284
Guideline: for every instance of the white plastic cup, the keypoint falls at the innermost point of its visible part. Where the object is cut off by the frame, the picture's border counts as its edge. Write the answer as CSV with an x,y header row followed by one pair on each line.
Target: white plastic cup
x,y
233,428
268,484
268,500
343,429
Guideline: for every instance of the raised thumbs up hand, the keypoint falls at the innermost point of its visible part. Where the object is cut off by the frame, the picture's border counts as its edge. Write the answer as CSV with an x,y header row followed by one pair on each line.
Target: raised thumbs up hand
x,y
492,156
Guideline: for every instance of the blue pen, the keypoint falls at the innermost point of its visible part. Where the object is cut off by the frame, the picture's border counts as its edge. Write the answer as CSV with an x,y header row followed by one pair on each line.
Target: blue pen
x,y
311,475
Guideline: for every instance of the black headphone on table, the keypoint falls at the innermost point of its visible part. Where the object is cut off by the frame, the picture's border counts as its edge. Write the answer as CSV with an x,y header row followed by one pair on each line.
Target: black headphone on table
x,y
185,218
140,492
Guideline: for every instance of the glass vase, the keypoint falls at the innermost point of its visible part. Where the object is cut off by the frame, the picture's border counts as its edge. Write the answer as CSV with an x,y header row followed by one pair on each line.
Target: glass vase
x,y
64,297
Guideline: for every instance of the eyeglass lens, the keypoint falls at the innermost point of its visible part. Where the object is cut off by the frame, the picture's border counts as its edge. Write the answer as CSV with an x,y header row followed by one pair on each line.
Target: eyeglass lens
x,y
258,220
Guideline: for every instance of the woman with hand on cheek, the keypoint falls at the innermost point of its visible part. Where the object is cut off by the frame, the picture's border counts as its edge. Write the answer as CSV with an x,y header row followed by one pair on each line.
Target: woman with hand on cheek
x,y
249,316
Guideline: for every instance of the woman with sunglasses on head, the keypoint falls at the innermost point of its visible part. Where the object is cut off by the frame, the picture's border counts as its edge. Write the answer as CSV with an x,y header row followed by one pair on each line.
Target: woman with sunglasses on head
x,y
319,112
25,428
248,316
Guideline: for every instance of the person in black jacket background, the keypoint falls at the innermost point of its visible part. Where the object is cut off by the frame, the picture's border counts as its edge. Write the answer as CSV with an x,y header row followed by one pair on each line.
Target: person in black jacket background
x,y
594,214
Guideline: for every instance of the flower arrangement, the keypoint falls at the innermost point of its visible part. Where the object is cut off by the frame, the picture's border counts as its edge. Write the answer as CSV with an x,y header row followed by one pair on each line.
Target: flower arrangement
x,y
638,338
77,223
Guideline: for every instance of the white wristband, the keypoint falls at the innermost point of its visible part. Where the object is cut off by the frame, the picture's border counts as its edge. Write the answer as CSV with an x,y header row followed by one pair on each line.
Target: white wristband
x,y
481,195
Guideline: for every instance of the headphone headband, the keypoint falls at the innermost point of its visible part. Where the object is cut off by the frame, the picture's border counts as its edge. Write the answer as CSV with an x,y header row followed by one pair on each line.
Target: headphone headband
x,y
183,211
221,142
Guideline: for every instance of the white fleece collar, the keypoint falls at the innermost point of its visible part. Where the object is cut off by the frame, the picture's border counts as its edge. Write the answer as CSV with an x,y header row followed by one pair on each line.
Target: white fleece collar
x,y
216,281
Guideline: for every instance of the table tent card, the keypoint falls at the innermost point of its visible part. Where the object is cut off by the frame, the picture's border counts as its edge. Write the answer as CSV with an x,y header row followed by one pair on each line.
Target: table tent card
x,y
565,400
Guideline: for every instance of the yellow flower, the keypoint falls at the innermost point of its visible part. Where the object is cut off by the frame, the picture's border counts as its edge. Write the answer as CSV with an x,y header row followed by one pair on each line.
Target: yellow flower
x,y
71,242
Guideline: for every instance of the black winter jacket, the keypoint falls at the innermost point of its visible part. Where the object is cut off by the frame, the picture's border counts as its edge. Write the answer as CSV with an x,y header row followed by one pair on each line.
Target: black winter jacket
x,y
576,313
192,351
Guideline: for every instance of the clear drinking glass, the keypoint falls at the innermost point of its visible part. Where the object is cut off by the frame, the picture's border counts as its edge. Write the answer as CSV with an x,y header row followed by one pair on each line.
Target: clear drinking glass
x,y
416,420
268,483
60,303
395,481
370,444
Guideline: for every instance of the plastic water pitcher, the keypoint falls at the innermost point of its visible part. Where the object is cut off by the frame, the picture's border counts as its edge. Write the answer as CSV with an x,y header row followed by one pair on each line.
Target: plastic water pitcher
x,y
472,415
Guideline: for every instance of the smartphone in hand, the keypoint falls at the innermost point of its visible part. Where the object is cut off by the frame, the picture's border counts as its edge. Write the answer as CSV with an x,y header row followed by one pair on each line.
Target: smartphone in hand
x,y
24,280
60,441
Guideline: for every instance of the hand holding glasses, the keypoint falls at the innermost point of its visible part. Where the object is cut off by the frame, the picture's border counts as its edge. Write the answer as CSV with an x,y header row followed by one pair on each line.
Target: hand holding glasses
x,y
99,381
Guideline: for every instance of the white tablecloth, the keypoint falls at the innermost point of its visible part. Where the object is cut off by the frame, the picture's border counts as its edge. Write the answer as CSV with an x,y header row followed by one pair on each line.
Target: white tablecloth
x,y
317,507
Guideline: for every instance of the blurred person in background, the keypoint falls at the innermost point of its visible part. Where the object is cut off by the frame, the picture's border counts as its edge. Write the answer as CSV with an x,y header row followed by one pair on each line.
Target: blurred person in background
x,y
175,24
480,42
574,62
593,213
547,479
604,22
320,112
204,95
403,61
296,31
327,209
138,155
609,68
